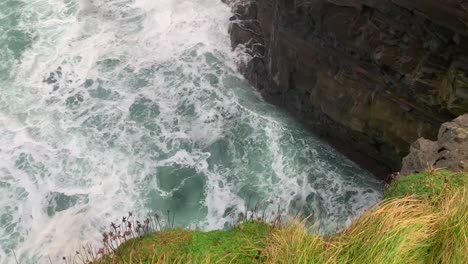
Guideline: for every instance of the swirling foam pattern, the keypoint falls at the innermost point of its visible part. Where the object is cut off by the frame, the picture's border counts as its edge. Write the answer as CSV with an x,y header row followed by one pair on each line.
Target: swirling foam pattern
x,y
111,106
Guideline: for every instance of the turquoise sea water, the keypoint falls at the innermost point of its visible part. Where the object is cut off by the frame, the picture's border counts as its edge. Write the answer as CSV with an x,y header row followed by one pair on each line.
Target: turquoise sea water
x,y
111,106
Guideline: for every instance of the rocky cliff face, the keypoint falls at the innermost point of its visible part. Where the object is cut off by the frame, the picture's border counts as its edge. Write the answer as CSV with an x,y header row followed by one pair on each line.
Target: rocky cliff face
x,y
376,74
450,151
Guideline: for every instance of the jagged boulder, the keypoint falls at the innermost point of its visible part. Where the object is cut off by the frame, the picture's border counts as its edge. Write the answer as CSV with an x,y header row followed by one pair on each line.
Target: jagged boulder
x,y
450,151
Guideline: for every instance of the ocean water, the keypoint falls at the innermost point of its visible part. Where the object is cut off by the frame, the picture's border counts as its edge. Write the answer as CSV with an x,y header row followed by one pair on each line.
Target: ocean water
x,y
116,106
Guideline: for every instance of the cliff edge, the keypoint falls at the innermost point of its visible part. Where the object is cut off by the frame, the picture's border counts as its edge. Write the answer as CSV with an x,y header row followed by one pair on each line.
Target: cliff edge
x,y
450,151
375,75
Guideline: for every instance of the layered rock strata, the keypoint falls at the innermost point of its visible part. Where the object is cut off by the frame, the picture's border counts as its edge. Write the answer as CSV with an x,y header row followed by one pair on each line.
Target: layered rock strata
x,y
375,74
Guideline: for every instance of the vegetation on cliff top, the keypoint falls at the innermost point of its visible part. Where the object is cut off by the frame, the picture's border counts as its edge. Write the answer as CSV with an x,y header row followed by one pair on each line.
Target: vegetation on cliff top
x,y
423,219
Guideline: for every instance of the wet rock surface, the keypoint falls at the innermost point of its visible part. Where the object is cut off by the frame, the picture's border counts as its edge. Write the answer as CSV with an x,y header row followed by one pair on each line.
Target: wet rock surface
x,y
370,75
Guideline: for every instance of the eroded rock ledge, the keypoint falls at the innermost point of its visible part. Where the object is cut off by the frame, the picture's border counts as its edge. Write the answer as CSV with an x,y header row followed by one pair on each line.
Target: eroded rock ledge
x,y
450,151
376,74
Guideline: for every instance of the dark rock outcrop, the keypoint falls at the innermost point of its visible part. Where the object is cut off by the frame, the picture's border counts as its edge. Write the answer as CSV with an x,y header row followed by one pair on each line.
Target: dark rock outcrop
x,y
376,74
450,151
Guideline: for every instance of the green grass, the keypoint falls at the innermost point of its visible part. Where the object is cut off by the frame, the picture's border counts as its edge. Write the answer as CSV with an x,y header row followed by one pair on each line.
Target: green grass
x,y
423,219
238,245
429,185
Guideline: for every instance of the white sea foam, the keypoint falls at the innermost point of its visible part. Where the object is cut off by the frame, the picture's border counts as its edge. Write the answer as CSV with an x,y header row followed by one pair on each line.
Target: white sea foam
x,y
118,106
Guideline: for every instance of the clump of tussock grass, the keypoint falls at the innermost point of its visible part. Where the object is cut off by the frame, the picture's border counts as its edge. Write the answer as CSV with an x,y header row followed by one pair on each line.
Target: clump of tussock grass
x,y
394,232
449,243
424,219
294,244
